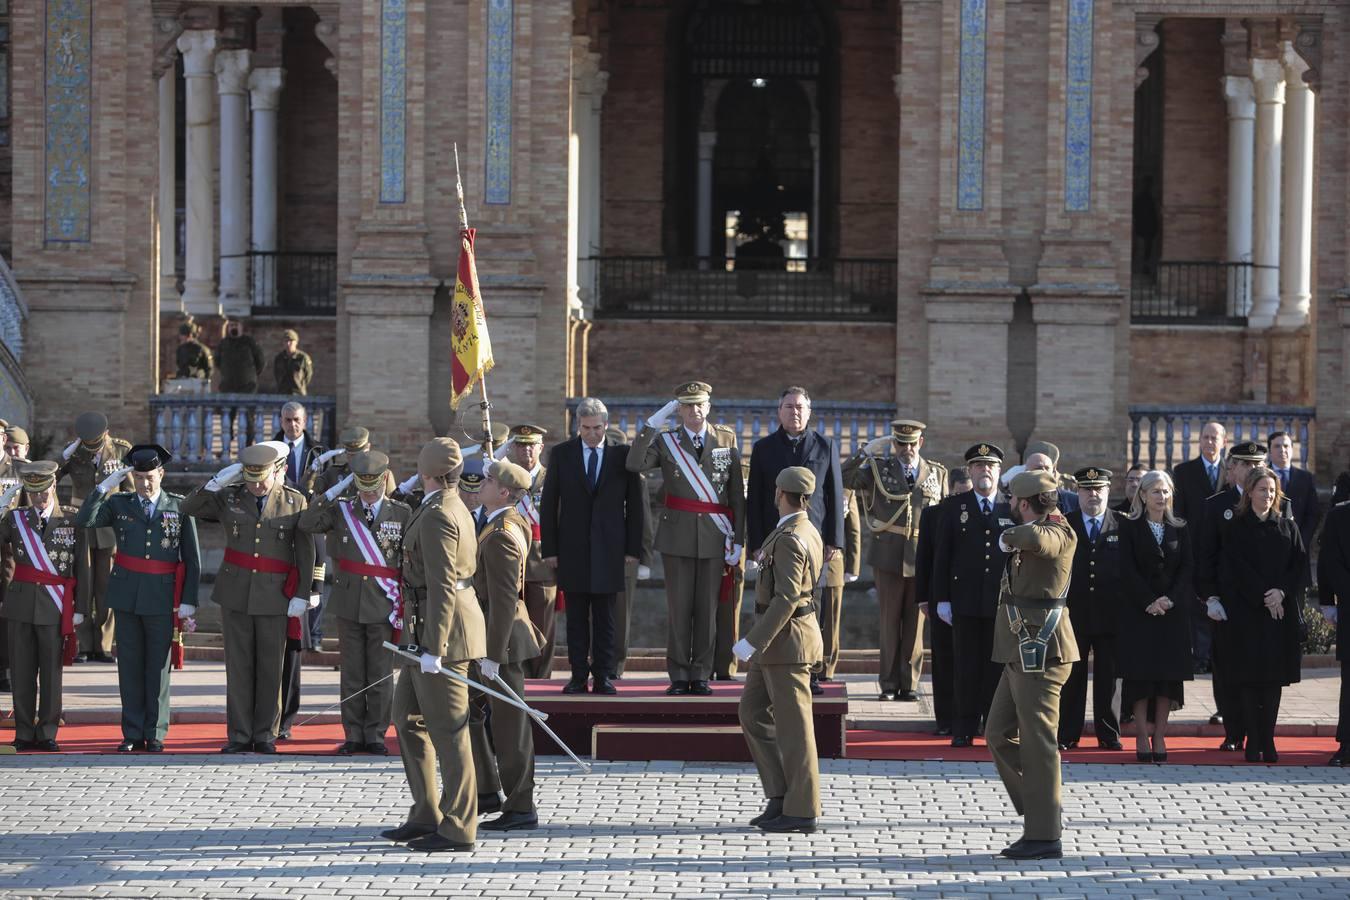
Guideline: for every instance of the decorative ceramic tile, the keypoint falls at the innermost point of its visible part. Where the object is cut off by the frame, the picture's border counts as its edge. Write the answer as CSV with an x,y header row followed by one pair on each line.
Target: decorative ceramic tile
x,y
393,99
69,64
1078,109
970,134
500,50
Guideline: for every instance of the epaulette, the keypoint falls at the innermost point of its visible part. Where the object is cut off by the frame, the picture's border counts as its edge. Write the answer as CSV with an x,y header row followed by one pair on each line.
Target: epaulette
x,y
725,429
388,499
71,511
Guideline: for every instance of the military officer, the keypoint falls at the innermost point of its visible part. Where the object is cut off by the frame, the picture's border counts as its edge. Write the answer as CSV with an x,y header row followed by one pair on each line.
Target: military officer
x,y
153,588
192,358
443,620
47,598
782,648
512,639
524,447
1035,645
90,458
701,531
894,488
365,539
16,444
264,587
292,369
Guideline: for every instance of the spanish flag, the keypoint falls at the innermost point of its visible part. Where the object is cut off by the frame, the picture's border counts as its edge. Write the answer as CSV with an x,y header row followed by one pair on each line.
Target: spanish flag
x,y
468,325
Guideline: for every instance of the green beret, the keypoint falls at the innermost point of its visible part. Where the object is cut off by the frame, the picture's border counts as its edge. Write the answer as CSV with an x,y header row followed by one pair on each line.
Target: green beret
x,y
1029,484
509,475
796,480
440,456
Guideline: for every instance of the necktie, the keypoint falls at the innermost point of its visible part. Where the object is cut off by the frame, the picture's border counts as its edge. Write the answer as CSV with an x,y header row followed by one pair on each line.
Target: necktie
x,y
147,506
984,505
1094,529
294,463
480,518
260,504
1213,476
592,466
1284,480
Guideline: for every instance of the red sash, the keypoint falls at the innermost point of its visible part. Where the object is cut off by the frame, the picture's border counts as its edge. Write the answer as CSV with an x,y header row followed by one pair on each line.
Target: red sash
x,y
269,566
162,567
356,567
683,504
27,574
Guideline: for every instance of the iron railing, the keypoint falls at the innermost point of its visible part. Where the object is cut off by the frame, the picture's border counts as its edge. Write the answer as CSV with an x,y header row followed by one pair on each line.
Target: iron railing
x,y
714,288
205,431
1194,293
1163,435
850,424
293,283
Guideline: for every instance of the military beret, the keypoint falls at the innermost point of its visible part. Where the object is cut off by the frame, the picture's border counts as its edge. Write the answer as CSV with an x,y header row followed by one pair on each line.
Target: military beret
x,y
907,431
1093,476
796,480
260,459
989,453
369,467
614,435
17,435
509,475
1249,451
290,335
4,423
693,392
354,438
528,434
1029,484
38,476
91,426
1045,447
440,456
470,482
147,457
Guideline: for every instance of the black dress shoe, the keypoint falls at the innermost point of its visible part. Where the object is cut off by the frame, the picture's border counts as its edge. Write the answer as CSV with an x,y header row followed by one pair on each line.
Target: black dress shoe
x,y
604,686
512,821
773,810
406,832
1143,755
435,843
575,687
1035,850
128,746
816,689
700,688
1271,756
101,657
266,747
678,688
1251,754
1216,720
942,730
783,824
377,748
886,695
47,746
1110,745
906,696
350,747
284,736
1160,757
1340,756
154,746
489,803
81,658
961,741
236,747
21,745
825,679
1230,746
1068,745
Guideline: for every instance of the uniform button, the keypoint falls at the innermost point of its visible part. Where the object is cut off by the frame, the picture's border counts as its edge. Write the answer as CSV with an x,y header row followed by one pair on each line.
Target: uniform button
x,y
1092,575
1092,562
986,556
365,577
147,556
255,556
987,531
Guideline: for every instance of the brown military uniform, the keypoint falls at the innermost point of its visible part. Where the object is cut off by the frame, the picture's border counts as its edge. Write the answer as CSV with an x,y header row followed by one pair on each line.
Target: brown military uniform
x,y
1023,725
541,590
431,712
253,603
729,613
86,469
512,639
831,599
775,707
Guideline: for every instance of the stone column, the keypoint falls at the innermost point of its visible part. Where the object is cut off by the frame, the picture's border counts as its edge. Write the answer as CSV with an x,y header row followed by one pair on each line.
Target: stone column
x,y
1296,245
1238,92
589,102
1268,78
574,150
232,68
264,87
707,142
168,191
199,290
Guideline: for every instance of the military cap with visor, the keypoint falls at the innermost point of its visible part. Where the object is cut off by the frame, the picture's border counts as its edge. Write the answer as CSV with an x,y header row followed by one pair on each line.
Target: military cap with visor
x,y
260,461
986,453
368,468
147,457
1248,451
1093,476
907,431
38,476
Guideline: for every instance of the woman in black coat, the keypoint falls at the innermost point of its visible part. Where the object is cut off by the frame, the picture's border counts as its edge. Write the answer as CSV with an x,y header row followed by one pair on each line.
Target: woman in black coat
x,y
1153,630
1263,570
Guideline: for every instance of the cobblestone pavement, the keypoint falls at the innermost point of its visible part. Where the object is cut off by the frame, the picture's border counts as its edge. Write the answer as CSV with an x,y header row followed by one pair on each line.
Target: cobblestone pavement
x,y
205,827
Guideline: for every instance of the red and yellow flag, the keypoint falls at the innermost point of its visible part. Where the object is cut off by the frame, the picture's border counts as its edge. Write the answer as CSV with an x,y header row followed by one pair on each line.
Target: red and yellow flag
x,y
472,355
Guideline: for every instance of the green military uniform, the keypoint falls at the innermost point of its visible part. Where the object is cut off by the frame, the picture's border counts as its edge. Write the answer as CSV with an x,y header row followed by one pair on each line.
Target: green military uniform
x,y
443,618
693,549
33,619
541,579
359,601
94,457
192,359
145,601
892,501
240,360
838,572
265,553
292,371
775,707
1023,724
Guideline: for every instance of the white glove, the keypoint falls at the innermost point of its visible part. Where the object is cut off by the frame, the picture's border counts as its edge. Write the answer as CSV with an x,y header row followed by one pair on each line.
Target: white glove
x,y
945,611
430,664
500,452
849,579
1216,610
734,554
662,416
78,618
323,458
877,447
743,650
313,601
13,491
644,573
410,485
1329,613
336,490
489,669
70,449
296,608
228,475
186,611
114,480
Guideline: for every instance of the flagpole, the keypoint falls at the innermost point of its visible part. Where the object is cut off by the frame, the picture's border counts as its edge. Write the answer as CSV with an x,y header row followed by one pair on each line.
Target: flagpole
x,y
488,448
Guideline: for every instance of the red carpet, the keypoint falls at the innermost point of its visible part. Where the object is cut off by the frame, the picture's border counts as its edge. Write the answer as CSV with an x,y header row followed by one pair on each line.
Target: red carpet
x,y
209,738
1195,751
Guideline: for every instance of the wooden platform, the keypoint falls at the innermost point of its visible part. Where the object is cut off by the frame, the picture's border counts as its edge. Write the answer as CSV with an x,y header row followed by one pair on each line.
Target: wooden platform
x,y
642,722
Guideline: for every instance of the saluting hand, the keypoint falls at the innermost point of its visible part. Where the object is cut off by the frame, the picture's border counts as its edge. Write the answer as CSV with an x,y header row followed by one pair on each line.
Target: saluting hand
x,y
70,449
225,476
336,490
410,485
323,458
112,481
662,415
10,493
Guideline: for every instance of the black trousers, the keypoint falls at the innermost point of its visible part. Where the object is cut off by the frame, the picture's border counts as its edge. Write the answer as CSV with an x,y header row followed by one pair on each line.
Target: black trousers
x,y
590,634
940,642
975,675
1073,702
290,685
1227,696
1260,710
1343,723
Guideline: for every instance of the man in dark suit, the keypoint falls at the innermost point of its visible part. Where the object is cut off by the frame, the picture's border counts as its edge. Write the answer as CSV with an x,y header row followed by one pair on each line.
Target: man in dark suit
x,y
940,633
1333,590
1132,477
1092,600
1298,485
1196,481
590,527
794,445
967,571
303,454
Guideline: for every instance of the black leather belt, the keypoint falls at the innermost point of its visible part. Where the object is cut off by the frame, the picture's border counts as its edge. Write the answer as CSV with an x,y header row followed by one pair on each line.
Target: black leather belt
x,y
1047,603
808,609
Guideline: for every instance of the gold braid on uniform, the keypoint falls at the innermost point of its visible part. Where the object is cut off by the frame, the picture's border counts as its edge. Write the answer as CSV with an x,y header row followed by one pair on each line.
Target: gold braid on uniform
x,y
877,485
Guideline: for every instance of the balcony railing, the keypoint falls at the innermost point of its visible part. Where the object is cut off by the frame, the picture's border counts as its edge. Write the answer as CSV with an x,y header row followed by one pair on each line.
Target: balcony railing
x,y
208,431
1193,293
293,283
1163,436
861,290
